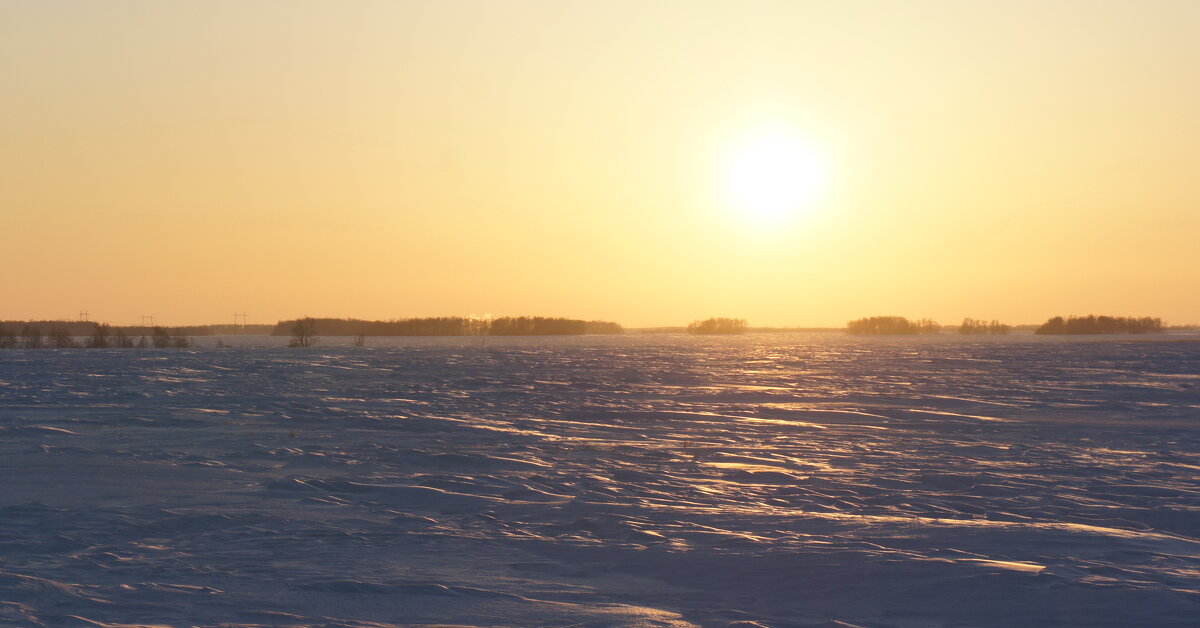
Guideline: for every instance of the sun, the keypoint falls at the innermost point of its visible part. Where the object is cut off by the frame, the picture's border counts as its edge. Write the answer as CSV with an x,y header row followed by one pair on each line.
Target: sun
x,y
773,175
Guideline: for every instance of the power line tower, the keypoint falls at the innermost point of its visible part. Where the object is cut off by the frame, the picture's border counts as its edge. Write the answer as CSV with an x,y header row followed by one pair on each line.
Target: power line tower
x,y
147,317
239,317
83,316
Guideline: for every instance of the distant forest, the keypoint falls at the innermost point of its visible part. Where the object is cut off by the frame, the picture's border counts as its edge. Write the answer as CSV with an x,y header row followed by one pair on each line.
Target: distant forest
x,y
718,326
452,326
59,334
1093,324
64,335
891,325
971,326
87,328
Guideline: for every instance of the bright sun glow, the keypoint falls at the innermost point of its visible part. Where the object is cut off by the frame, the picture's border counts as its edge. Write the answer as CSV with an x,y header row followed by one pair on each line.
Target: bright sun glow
x,y
772,176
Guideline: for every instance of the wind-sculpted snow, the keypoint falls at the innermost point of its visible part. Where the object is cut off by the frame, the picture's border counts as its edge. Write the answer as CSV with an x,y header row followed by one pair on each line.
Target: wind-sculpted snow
x,y
764,480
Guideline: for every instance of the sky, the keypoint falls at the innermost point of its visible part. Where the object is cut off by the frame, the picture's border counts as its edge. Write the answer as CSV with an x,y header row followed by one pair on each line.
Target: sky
x,y
998,160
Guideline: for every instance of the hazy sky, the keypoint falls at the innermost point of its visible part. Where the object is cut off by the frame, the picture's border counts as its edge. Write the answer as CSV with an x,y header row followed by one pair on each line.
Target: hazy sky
x,y
1009,160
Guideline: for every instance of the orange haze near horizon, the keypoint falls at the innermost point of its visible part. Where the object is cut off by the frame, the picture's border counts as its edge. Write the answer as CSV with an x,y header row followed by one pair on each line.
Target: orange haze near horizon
x,y
187,160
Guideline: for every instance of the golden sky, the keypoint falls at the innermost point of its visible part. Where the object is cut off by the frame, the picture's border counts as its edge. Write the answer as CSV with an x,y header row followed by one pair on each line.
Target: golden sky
x,y
1010,160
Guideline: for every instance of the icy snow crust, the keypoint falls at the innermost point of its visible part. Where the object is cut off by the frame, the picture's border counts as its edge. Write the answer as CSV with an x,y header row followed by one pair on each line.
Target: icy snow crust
x,y
773,480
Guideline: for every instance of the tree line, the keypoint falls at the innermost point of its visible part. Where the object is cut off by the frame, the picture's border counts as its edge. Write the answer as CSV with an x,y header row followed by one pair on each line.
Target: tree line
x,y
971,326
713,326
891,325
1092,324
87,328
543,326
447,326
100,336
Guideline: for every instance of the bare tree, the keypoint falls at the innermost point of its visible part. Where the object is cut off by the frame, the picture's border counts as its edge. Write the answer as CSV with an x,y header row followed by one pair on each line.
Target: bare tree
x,y
99,339
31,337
303,333
718,326
891,325
8,340
60,338
120,339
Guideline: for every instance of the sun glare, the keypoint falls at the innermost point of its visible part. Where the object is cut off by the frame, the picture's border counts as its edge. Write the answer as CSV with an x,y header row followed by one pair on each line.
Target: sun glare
x,y
772,176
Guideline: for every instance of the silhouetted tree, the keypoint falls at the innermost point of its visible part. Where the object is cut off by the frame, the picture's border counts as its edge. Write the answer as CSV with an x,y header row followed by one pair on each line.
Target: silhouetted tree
x,y
536,326
1056,325
100,335
603,327
972,326
8,340
891,325
478,325
181,342
31,337
303,333
718,326
1092,324
142,343
60,338
120,339
454,326
161,338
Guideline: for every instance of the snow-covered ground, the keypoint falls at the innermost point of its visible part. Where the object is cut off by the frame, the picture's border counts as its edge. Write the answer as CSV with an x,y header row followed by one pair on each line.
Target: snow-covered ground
x,y
774,480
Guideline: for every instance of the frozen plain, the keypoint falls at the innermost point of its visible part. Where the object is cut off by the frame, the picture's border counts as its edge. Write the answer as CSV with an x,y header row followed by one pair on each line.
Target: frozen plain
x,y
764,480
